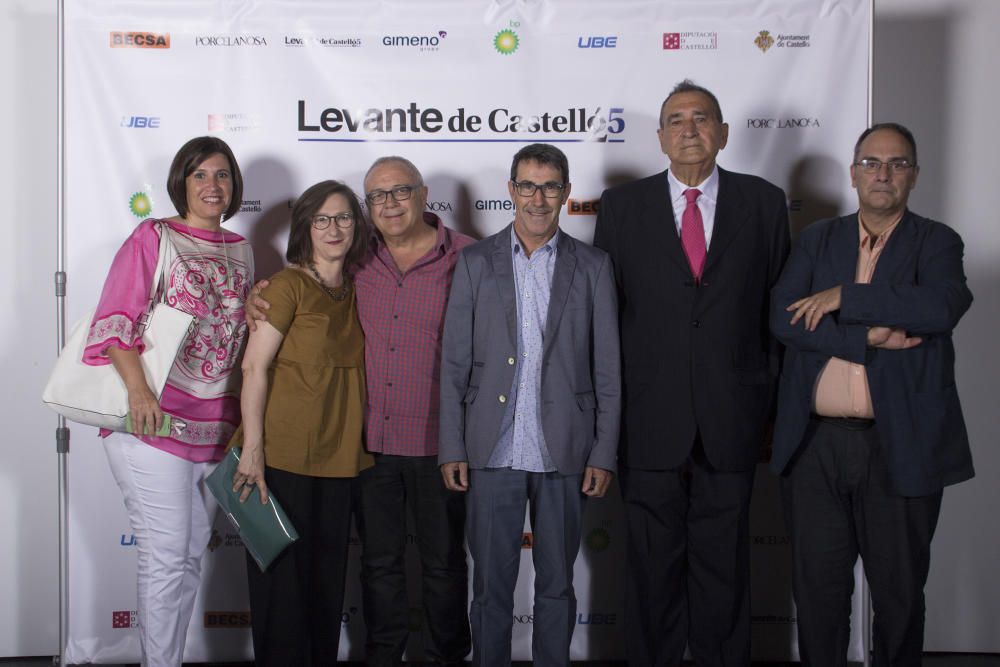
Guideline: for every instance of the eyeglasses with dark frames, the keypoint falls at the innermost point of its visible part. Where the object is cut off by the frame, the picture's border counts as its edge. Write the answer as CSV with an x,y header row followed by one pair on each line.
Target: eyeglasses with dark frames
x,y
343,220
550,190
399,193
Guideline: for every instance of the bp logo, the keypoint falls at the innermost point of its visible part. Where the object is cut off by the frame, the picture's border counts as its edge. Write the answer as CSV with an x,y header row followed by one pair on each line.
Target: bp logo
x,y
140,205
598,540
506,42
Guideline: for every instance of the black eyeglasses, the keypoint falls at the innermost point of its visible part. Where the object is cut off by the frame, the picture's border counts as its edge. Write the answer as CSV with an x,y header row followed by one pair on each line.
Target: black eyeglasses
x,y
872,166
550,190
343,220
399,193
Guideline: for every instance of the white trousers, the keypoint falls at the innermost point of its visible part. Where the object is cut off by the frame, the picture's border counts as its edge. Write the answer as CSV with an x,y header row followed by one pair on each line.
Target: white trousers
x,y
170,511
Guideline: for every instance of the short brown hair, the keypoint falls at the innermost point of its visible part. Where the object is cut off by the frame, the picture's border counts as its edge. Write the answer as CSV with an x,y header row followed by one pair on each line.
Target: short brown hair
x,y
300,247
545,154
192,154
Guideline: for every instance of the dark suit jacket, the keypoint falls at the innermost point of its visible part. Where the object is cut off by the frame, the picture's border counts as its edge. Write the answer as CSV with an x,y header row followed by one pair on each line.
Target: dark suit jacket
x,y
919,286
695,358
581,381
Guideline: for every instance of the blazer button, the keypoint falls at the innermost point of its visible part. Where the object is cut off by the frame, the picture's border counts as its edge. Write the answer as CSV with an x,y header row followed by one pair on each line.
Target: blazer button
x,y
502,398
510,361
696,324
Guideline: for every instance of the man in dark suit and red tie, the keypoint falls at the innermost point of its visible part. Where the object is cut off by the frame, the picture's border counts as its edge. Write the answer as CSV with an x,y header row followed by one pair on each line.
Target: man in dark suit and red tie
x,y
869,427
696,250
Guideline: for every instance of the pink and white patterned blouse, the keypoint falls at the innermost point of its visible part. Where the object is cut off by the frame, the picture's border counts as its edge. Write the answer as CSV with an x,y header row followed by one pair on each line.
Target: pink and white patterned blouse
x,y
209,275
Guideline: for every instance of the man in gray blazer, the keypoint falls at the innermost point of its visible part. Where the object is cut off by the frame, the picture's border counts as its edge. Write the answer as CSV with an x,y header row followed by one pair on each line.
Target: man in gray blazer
x,y
530,400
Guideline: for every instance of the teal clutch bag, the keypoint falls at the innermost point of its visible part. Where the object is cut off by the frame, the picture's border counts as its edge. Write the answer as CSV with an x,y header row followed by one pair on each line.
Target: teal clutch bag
x,y
264,529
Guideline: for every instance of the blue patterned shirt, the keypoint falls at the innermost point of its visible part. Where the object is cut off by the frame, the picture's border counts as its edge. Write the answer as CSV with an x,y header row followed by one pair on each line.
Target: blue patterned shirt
x,y
522,444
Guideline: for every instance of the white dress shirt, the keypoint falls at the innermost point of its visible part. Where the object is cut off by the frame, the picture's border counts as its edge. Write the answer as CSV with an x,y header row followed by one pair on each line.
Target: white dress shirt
x,y
706,201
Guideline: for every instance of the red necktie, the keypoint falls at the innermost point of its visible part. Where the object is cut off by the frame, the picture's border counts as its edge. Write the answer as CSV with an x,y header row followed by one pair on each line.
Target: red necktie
x,y
693,233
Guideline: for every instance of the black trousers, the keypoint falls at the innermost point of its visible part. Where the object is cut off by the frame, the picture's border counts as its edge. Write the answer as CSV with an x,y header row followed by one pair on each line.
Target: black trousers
x,y
838,503
387,488
688,574
296,606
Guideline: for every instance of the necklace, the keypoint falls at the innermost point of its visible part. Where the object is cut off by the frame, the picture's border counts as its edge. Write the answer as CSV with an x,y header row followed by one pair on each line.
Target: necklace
x,y
336,293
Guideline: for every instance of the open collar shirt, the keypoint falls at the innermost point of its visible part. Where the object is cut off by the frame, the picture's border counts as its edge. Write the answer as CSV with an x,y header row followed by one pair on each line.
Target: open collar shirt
x,y
522,444
842,387
402,315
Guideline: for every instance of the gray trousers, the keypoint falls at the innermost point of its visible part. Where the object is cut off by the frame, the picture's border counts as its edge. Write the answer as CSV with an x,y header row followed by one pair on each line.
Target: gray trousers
x,y
497,501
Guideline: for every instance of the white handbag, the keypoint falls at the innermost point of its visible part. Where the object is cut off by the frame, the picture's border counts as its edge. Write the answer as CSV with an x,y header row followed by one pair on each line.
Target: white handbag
x,y
96,395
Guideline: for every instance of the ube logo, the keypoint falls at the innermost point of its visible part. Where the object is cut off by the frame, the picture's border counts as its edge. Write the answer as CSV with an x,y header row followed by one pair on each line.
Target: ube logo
x,y
140,122
597,42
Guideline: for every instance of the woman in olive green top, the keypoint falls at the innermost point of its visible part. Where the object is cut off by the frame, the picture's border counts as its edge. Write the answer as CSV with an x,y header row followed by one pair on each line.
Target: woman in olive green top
x,y
303,409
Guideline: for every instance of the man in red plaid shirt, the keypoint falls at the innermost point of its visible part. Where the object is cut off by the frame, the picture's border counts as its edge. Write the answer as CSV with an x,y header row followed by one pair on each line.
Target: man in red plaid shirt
x,y
402,294
402,291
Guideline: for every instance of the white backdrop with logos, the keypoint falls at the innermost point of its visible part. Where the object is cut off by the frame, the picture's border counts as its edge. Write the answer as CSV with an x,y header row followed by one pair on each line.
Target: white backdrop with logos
x,y
305,91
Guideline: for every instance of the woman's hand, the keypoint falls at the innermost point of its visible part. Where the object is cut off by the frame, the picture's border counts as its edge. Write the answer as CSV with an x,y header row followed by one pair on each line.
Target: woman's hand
x,y
147,417
250,473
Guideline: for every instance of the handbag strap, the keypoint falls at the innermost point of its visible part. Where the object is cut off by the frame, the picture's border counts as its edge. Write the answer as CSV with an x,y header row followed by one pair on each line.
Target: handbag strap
x,y
160,264
154,287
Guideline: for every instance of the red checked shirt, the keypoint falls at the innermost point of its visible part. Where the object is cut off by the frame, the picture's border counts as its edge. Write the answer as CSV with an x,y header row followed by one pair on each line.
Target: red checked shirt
x,y
402,315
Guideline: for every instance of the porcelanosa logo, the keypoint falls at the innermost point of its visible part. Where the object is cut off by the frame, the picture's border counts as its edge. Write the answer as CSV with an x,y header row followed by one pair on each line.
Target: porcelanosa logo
x,y
690,41
781,123
431,42
230,40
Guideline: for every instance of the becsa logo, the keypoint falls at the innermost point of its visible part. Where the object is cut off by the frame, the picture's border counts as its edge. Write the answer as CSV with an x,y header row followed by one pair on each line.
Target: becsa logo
x,y
227,619
583,206
597,42
140,40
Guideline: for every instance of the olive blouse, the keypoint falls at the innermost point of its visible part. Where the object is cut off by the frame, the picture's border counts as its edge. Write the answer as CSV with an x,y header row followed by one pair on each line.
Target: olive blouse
x,y
316,384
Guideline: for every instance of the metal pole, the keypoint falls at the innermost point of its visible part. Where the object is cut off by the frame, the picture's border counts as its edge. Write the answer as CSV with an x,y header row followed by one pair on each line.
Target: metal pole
x,y
866,599
62,431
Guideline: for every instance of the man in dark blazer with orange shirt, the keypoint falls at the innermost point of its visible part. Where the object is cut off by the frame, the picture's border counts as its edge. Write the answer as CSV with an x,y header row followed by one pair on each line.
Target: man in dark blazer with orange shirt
x,y
869,427
696,250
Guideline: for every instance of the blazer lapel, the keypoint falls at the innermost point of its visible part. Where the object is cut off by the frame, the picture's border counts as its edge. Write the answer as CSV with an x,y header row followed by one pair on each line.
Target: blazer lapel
x,y
730,215
847,242
503,273
658,213
896,248
562,279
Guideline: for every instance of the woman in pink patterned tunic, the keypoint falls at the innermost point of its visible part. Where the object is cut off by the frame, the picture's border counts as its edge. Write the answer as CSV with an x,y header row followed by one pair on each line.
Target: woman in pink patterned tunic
x,y
208,273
